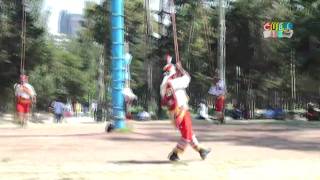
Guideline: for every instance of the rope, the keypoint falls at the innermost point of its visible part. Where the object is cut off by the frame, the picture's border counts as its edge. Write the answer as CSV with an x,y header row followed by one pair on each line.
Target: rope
x,y
23,38
207,36
189,42
174,28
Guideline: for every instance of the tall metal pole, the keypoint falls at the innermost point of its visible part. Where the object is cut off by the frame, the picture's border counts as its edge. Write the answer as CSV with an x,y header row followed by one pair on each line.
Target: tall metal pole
x,y
117,21
221,48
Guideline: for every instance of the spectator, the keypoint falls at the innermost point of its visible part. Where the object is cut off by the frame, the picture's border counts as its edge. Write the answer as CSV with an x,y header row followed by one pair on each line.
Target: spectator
x,y
78,108
58,110
203,111
94,108
218,90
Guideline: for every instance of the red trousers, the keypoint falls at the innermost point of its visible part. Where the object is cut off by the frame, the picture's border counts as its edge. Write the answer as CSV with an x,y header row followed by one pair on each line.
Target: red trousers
x,y
219,104
185,127
23,107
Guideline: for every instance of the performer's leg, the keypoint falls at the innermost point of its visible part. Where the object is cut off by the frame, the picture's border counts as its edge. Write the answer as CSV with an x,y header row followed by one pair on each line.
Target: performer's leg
x,y
188,137
193,141
196,146
26,113
179,149
21,113
219,105
20,116
25,119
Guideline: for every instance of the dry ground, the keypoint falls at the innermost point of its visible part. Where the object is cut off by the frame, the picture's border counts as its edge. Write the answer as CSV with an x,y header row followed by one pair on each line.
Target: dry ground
x,y
80,149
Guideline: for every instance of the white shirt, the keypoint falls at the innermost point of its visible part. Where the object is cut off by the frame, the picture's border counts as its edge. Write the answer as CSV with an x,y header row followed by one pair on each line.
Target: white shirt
x,y
218,89
20,92
203,110
179,86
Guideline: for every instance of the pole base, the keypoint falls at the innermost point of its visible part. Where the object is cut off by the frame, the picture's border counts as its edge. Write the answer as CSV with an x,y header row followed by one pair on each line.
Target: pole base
x,y
119,124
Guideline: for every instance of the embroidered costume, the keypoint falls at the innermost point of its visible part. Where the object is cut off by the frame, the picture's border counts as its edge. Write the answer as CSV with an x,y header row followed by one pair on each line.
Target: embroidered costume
x,y
174,97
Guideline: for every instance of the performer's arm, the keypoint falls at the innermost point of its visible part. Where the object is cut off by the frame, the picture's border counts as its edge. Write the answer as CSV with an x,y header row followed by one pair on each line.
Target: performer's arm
x,y
181,70
30,91
212,90
34,99
181,82
16,89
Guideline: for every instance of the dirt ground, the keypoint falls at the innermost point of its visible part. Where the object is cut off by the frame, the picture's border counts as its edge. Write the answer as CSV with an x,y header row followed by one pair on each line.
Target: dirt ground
x,y
80,149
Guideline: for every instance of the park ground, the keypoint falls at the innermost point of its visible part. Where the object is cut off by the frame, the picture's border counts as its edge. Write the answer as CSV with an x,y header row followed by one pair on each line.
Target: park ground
x,y
79,149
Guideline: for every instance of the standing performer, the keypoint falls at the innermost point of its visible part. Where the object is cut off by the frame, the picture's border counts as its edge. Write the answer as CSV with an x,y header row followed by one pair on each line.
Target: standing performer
x,y
218,90
25,95
174,97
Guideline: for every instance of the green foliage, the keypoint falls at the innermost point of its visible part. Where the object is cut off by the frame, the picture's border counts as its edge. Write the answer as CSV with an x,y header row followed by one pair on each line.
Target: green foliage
x,y
136,109
10,43
69,68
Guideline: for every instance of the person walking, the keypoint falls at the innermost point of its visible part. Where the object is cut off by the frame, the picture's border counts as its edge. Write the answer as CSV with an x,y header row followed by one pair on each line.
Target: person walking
x,y
58,110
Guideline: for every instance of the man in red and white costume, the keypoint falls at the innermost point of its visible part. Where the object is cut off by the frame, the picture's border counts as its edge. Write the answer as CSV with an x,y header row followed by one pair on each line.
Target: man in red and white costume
x,y
25,95
218,90
174,97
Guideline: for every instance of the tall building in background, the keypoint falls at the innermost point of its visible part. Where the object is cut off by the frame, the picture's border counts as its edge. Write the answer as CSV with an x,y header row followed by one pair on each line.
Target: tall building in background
x,y
63,22
69,24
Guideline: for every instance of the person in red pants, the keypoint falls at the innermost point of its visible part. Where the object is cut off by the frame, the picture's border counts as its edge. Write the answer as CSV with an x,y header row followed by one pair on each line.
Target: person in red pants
x,y
25,96
174,97
218,90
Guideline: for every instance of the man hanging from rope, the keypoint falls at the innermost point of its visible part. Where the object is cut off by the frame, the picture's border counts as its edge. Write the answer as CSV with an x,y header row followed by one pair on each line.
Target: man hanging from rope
x,y
25,96
174,97
218,90
127,92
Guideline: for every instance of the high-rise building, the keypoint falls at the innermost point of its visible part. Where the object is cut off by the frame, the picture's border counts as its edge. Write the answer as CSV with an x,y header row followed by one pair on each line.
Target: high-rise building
x,y
63,22
69,24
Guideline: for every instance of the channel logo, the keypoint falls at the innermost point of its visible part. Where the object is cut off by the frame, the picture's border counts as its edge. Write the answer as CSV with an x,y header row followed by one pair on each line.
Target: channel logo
x,y
278,30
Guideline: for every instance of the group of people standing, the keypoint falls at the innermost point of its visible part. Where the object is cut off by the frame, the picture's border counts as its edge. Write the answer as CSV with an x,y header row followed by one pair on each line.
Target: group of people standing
x,y
60,109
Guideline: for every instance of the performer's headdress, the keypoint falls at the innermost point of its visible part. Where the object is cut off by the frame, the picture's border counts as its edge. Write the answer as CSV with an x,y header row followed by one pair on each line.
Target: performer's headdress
x,y
23,78
169,68
168,71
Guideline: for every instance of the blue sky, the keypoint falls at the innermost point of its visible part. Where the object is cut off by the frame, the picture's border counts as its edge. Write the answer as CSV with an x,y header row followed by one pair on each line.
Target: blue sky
x,y
73,6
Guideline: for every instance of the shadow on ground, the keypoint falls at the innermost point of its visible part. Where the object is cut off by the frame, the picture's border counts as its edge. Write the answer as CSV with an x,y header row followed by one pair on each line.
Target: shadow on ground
x,y
49,135
276,135
142,162
152,162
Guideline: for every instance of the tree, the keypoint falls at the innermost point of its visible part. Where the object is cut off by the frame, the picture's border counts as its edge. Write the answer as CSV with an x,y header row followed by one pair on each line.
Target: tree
x,y
10,43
